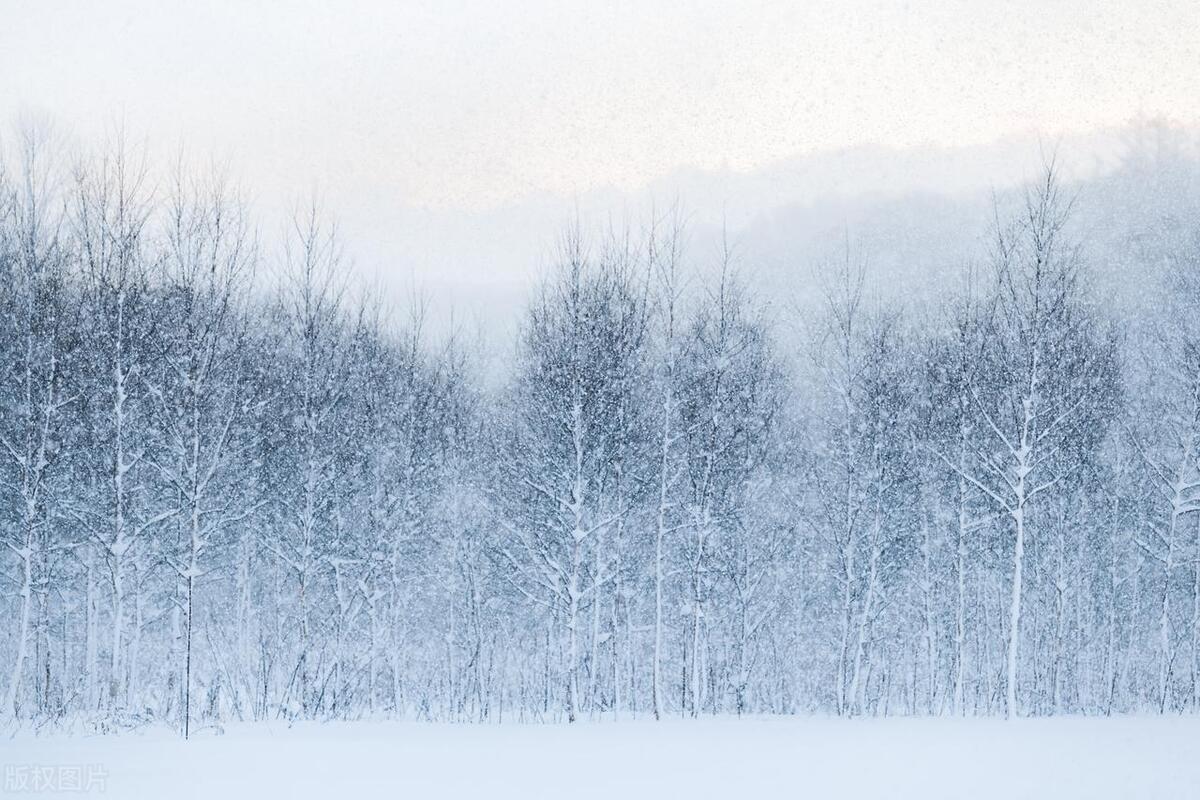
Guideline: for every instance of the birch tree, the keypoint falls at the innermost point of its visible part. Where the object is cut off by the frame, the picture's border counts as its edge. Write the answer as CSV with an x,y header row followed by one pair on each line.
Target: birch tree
x,y
665,254
199,391
110,212
317,349
729,403
579,345
1166,434
1040,382
39,314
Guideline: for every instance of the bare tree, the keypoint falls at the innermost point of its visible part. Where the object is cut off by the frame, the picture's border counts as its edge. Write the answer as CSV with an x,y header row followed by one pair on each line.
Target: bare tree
x,y
200,390
39,311
1041,381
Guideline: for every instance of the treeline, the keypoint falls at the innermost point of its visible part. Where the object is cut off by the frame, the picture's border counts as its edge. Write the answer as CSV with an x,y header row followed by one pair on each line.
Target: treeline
x,y
220,501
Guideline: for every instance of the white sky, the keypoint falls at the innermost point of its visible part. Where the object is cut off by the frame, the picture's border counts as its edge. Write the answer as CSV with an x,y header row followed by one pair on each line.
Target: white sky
x,y
458,104
453,110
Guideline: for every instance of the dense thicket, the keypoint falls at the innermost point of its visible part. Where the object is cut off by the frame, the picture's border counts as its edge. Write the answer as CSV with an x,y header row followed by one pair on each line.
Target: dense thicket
x,y
219,501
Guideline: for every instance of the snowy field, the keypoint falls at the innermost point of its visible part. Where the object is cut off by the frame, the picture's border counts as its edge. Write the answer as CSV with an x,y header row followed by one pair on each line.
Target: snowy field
x,y
1096,759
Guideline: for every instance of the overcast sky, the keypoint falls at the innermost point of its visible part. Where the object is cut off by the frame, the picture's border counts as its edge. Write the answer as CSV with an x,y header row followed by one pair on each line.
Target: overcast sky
x,y
411,114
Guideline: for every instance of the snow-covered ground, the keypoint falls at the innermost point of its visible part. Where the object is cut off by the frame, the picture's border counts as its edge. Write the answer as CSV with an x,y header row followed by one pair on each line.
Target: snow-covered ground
x,y
1142,758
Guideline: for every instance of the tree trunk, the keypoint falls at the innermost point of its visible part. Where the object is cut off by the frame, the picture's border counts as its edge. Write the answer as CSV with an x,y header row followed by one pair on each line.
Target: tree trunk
x,y
14,681
1014,607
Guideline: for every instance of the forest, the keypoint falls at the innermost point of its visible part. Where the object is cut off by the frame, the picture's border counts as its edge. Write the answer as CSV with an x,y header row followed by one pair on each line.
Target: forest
x,y
236,485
